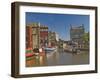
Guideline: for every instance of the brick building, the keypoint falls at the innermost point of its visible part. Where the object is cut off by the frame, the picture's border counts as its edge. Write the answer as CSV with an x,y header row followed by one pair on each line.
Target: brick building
x,y
29,41
32,35
43,36
36,35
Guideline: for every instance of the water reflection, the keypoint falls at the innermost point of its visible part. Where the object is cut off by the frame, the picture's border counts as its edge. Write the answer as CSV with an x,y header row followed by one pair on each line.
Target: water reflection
x,y
65,58
58,57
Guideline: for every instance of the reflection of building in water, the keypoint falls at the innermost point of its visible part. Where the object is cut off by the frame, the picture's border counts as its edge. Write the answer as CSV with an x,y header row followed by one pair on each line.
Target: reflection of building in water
x,y
76,34
52,58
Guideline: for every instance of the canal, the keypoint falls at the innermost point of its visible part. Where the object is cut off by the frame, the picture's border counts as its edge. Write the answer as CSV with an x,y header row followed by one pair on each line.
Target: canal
x,y
58,57
61,57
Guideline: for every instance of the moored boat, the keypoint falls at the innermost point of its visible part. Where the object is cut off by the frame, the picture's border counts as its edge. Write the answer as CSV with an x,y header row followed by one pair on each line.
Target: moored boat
x,y
49,50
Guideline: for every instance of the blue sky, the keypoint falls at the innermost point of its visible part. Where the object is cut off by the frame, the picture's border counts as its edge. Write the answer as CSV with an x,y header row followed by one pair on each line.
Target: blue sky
x,y
59,23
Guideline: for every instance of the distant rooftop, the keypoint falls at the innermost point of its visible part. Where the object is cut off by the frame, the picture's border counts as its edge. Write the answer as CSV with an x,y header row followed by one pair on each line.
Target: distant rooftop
x,y
35,24
77,27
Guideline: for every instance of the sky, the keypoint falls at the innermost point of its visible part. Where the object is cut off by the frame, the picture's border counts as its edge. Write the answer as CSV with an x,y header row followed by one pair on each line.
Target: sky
x,y
59,23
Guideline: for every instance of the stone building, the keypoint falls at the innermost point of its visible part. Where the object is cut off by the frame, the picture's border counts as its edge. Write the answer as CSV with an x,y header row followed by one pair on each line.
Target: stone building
x,y
36,35
52,39
76,34
60,45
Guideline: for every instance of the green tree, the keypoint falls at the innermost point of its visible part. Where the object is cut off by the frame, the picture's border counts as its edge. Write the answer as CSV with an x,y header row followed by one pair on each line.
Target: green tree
x,y
86,37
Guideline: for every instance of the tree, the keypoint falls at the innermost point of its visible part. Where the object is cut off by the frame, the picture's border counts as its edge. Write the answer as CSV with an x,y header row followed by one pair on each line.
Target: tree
x,y
86,37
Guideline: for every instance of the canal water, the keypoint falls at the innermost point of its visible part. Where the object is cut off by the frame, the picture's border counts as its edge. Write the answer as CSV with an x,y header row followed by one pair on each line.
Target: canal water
x,y
58,57
61,57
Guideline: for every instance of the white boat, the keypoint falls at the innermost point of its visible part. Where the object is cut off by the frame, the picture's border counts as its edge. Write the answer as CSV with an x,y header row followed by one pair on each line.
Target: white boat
x,y
49,49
